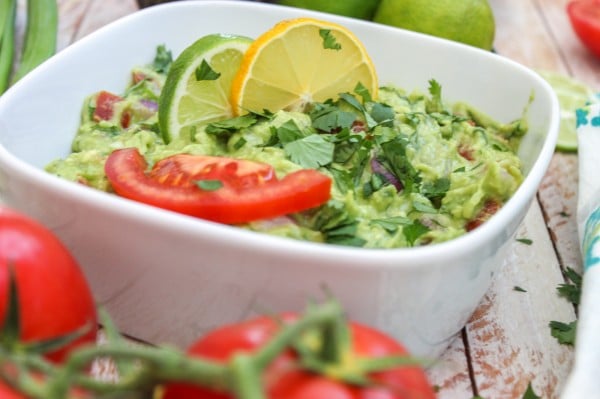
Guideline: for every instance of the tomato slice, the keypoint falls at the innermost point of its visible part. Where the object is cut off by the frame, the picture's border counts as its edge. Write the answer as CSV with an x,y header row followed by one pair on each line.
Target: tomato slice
x,y
585,19
248,190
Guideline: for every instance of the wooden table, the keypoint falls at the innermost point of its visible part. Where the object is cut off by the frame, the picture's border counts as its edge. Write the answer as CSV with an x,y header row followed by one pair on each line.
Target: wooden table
x,y
507,343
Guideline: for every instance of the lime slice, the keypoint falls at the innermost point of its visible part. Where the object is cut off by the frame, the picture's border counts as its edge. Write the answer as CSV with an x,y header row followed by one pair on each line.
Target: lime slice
x,y
198,86
572,94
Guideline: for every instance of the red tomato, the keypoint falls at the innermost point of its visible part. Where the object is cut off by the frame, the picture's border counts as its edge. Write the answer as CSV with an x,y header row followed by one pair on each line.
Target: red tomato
x,y
8,393
54,296
249,190
284,380
490,207
105,102
585,19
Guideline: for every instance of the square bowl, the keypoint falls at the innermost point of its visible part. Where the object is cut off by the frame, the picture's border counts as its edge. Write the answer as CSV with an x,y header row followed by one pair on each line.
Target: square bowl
x,y
166,277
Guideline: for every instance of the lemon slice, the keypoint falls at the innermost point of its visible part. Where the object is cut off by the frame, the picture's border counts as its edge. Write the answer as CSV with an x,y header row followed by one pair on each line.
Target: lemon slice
x,y
572,94
300,61
198,85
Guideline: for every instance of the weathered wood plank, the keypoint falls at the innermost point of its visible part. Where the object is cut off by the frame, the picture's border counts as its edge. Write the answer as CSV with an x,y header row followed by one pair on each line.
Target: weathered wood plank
x,y
103,12
509,337
450,374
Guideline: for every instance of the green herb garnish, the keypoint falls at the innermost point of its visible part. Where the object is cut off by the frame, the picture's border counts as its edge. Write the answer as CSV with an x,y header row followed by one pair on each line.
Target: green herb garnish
x,y
205,72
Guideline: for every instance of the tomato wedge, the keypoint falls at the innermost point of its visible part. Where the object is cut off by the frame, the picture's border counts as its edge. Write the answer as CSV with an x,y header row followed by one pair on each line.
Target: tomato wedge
x,y
220,189
585,19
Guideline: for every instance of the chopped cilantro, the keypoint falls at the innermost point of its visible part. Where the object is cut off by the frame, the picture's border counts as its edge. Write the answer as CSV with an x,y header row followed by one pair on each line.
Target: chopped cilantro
x,y
329,118
353,101
363,92
310,151
571,291
563,332
530,393
395,160
436,190
526,241
413,231
337,226
231,125
289,132
162,60
424,207
383,114
240,143
329,41
209,185
205,72
519,289
435,103
392,224
564,214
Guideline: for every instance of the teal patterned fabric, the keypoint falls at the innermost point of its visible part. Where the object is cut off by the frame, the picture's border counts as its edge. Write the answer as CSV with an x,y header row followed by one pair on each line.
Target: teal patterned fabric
x,y
588,121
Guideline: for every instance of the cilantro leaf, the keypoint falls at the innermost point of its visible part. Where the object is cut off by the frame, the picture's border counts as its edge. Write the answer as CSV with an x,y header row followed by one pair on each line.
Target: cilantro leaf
x,y
329,118
530,393
392,224
519,289
413,231
350,99
289,132
336,225
231,125
563,332
394,152
436,190
424,207
310,152
209,185
329,41
526,241
162,60
435,104
571,291
205,72
383,114
363,92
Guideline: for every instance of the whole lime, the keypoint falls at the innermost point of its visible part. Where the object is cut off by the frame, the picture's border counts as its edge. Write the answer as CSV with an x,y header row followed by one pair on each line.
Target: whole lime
x,y
363,9
467,21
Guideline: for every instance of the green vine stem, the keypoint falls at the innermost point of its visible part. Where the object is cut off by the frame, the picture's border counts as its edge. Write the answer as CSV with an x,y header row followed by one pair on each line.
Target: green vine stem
x,y
149,366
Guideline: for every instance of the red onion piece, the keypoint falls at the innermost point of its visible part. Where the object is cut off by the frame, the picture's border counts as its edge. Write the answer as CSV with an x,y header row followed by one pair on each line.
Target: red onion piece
x,y
388,176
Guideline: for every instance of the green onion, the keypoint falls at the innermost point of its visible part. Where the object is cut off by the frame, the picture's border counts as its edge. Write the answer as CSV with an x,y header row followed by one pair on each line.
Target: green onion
x,y
40,35
7,44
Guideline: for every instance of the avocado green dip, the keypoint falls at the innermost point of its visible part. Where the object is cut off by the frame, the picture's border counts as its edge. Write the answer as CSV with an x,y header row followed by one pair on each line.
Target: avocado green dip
x,y
407,169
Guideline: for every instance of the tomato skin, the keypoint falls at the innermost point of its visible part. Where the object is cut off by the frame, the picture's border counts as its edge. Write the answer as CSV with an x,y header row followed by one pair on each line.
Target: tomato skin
x,y
8,393
250,189
105,102
54,297
283,380
489,209
585,19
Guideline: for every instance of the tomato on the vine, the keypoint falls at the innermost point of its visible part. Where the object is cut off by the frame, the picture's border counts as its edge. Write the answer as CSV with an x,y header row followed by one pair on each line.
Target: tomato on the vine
x,y
220,189
585,19
54,298
283,378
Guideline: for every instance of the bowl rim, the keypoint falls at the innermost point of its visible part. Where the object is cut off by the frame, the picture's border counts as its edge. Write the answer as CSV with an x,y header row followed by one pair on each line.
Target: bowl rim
x,y
358,257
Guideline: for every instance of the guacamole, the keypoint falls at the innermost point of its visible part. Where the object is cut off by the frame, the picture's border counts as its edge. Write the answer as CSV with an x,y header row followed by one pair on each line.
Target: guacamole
x,y
407,169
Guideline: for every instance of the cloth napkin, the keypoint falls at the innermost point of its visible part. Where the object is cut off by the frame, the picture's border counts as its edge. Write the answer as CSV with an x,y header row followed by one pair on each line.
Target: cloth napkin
x,y
584,379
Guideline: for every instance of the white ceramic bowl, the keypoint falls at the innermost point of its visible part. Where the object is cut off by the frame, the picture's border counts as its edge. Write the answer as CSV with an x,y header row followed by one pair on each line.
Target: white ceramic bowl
x,y
166,277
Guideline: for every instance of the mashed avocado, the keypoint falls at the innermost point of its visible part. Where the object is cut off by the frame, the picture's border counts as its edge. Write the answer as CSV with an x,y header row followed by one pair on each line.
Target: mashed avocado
x,y
408,170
